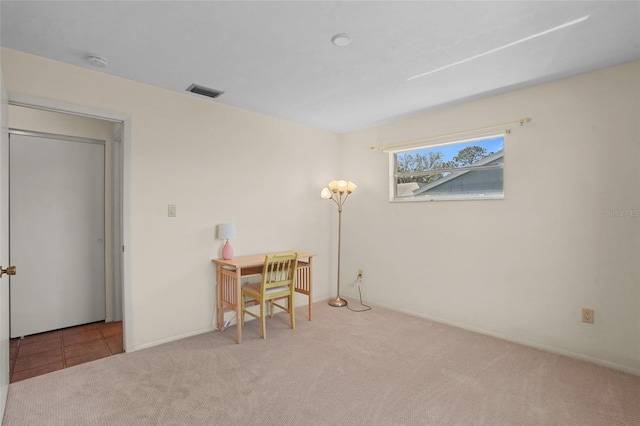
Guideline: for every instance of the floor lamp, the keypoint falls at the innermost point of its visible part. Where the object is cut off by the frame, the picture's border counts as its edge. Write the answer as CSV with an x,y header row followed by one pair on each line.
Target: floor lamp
x,y
338,191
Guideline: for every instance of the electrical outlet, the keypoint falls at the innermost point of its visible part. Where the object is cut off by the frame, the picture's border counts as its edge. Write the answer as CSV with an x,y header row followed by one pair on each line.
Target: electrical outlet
x,y
358,280
587,315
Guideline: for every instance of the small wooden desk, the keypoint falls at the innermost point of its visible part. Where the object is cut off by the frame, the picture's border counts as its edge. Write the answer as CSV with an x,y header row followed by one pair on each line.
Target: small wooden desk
x,y
230,273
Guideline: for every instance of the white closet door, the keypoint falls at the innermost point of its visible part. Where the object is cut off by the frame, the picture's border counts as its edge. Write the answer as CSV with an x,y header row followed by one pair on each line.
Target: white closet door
x,y
56,203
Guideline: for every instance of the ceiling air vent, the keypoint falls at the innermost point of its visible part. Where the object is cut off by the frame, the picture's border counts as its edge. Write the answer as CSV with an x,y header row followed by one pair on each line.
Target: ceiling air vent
x,y
204,91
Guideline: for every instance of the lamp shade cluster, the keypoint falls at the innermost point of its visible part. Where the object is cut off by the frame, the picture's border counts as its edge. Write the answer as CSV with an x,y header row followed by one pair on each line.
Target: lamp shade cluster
x,y
338,187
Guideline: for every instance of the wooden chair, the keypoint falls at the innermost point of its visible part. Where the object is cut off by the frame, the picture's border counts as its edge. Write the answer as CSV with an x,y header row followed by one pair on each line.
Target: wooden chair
x,y
278,283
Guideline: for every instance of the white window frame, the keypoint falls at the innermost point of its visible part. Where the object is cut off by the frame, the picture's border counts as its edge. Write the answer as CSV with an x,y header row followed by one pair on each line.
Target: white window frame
x,y
393,197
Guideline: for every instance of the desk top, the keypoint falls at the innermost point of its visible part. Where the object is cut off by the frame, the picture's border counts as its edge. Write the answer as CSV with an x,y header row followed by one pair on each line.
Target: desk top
x,y
256,259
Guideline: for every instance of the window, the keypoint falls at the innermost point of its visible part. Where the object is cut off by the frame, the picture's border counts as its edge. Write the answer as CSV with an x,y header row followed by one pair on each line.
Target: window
x,y
462,170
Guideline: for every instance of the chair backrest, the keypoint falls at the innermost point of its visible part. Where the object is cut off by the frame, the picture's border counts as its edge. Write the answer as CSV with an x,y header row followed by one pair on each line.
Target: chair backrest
x,y
279,270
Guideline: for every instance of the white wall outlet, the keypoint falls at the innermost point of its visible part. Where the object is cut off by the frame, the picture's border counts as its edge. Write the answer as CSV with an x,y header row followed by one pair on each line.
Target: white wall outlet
x,y
171,210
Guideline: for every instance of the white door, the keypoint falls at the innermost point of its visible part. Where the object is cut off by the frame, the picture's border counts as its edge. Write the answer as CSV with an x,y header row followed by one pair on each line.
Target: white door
x,y
4,248
56,206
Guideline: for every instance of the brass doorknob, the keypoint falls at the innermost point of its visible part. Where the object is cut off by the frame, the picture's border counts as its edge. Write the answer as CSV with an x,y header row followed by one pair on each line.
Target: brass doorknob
x,y
9,270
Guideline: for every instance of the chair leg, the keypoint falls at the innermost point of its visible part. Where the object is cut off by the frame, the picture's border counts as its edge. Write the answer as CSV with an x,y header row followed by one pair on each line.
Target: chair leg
x,y
292,311
262,320
242,310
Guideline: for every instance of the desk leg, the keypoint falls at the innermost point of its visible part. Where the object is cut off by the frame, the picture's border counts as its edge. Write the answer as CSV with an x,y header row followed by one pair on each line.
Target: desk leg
x,y
219,309
239,305
310,285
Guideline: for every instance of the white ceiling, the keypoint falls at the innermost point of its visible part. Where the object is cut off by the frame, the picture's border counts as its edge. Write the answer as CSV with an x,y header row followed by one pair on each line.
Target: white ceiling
x,y
276,58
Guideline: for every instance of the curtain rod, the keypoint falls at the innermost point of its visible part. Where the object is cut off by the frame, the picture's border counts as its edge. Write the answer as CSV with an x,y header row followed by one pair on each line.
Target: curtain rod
x,y
521,121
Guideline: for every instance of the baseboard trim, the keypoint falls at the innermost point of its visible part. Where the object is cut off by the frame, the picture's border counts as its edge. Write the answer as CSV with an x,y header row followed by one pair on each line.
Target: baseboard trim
x,y
173,338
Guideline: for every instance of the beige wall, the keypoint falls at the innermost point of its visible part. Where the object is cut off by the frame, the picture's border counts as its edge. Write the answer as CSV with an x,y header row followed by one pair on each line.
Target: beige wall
x,y
523,267
218,164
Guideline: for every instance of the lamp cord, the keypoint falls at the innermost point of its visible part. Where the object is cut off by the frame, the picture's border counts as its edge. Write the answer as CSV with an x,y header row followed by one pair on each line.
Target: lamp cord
x,y
367,307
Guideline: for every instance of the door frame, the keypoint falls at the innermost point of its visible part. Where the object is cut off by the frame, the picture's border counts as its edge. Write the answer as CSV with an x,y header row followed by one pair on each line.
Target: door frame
x,y
125,167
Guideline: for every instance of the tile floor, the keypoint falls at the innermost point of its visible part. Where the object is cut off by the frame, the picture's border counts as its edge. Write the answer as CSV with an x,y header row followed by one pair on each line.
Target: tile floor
x,y
54,350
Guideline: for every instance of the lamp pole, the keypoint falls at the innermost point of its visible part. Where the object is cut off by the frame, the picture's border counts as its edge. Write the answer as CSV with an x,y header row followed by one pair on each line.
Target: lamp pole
x,y
338,301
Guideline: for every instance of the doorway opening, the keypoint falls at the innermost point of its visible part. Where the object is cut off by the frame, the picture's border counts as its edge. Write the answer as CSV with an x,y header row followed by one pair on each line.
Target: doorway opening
x,y
118,318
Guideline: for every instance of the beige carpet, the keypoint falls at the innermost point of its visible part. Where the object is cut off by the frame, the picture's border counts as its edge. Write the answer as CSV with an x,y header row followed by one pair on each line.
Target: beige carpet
x,y
343,368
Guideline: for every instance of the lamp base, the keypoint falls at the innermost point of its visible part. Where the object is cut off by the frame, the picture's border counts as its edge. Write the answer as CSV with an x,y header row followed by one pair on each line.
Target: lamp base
x,y
337,302
227,251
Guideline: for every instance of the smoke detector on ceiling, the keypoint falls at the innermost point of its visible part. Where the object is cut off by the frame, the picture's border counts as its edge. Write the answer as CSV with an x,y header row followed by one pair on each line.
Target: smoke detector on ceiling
x,y
341,40
97,61
204,91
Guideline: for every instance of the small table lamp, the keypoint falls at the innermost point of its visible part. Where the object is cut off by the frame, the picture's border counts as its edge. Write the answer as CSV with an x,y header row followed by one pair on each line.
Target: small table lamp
x,y
225,232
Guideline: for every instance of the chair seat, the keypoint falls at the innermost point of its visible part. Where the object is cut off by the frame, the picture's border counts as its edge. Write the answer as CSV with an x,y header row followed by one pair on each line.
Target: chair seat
x,y
254,288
